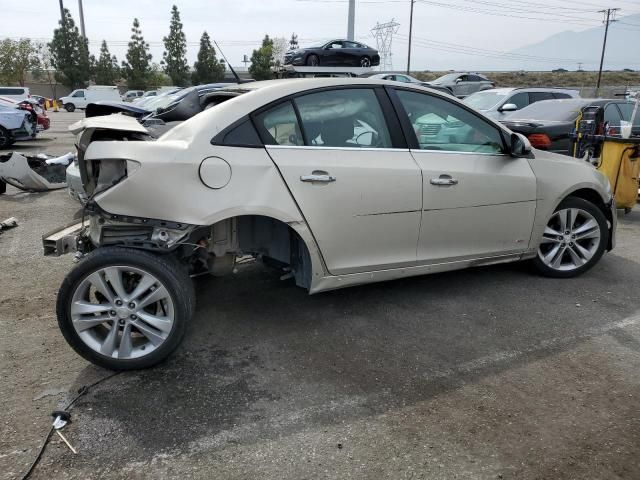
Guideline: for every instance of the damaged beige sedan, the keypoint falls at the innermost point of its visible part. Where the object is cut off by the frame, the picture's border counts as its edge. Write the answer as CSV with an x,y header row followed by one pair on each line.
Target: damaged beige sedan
x,y
334,182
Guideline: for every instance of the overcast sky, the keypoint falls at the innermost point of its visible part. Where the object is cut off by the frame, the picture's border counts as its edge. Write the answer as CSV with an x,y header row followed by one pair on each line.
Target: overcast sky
x,y
239,25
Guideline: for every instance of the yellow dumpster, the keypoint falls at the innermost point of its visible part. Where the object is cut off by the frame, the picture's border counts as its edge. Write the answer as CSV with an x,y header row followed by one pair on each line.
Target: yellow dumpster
x,y
620,162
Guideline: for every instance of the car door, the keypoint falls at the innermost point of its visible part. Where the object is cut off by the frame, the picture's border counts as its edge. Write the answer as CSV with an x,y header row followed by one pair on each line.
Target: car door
x,y
332,54
342,156
351,53
478,202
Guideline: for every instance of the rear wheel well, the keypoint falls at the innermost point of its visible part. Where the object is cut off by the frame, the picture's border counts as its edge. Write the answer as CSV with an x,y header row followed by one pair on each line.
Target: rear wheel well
x,y
273,241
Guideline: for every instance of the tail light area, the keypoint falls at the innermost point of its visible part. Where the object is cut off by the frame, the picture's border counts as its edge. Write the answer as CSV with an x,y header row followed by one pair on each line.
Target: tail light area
x,y
540,141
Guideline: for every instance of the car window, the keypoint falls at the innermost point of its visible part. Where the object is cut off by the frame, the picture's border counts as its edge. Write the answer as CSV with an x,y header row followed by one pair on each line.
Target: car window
x,y
474,78
402,78
243,135
520,100
279,126
343,118
539,96
12,91
612,115
334,45
463,78
79,93
627,111
561,95
445,126
349,45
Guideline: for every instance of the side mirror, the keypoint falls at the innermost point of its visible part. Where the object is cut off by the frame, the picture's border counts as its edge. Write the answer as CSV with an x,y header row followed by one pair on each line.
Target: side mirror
x,y
458,80
520,145
509,107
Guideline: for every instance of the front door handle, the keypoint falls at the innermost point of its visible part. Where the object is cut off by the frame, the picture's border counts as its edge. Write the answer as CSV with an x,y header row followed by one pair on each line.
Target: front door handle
x,y
321,177
444,180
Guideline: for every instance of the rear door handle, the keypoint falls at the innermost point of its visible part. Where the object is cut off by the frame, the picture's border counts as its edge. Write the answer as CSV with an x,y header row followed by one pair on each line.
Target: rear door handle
x,y
444,180
318,177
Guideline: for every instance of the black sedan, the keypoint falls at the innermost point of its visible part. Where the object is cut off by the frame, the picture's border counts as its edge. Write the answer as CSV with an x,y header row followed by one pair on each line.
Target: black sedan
x,y
549,123
336,53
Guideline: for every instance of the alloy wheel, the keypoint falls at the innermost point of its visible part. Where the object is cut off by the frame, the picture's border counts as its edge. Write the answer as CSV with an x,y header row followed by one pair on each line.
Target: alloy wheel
x,y
122,312
365,62
570,239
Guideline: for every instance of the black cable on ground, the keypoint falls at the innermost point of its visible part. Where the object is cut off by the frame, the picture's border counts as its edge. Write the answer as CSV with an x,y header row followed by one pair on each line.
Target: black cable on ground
x,y
81,392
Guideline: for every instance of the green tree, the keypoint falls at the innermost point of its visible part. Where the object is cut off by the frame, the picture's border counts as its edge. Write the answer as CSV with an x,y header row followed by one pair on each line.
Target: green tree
x,y
157,78
137,68
106,70
17,57
70,53
207,69
175,51
262,60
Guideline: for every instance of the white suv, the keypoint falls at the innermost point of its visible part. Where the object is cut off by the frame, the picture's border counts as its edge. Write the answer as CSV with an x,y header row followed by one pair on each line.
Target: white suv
x,y
325,179
15,93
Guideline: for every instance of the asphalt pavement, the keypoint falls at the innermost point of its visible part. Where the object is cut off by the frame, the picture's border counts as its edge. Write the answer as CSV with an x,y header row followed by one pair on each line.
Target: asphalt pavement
x,y
487,373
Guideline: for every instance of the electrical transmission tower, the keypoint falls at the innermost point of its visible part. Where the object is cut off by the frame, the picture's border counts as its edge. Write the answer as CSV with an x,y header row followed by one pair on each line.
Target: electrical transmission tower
x,y
383,33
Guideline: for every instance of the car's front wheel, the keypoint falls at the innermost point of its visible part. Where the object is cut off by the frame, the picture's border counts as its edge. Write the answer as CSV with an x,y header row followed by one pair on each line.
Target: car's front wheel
x,y
365,62
69,107
125,309
574,239
313,61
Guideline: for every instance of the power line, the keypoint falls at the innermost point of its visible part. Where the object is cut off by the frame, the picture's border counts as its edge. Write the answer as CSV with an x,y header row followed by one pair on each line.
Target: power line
x,y
584,22
495,53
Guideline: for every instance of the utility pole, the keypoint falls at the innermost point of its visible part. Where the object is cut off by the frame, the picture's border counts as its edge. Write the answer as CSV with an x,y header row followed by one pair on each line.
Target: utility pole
x,y
81,19
62,12
410,35
352,20
608,12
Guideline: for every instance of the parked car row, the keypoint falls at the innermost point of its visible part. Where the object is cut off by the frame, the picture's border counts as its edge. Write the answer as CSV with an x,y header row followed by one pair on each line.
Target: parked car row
x,y
20,119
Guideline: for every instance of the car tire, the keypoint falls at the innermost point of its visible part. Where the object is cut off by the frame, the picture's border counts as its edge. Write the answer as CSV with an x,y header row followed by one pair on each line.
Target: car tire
x,y
85,322
69,107
3,187
574,240
313,61
365,62
5,138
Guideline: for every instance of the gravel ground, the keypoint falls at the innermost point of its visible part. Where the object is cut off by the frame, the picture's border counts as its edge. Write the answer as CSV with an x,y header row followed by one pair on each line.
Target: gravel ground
x,y
481,374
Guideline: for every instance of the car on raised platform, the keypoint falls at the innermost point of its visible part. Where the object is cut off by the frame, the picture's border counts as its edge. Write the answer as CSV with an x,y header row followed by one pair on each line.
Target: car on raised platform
x,y
334,53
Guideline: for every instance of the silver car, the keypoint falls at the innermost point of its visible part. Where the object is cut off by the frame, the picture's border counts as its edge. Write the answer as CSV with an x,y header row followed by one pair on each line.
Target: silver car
x,y
497,103
329,181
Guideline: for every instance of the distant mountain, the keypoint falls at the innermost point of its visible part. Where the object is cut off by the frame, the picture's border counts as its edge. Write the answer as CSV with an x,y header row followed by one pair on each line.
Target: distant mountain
x,y
586,46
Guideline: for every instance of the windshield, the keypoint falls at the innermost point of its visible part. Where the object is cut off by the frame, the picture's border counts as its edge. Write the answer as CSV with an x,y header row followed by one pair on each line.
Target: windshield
x,y
448,78
485,100
553,110
163,101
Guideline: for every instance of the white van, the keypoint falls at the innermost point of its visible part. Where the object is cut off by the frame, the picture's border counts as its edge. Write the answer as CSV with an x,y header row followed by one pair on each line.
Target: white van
x,y
81,97
15,93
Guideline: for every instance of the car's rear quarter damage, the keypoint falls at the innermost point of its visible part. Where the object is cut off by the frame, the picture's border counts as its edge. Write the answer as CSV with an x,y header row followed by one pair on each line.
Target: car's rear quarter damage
x,y
170,196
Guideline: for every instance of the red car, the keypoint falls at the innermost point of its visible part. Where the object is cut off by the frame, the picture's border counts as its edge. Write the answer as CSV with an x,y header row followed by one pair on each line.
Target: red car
x,y
43,121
